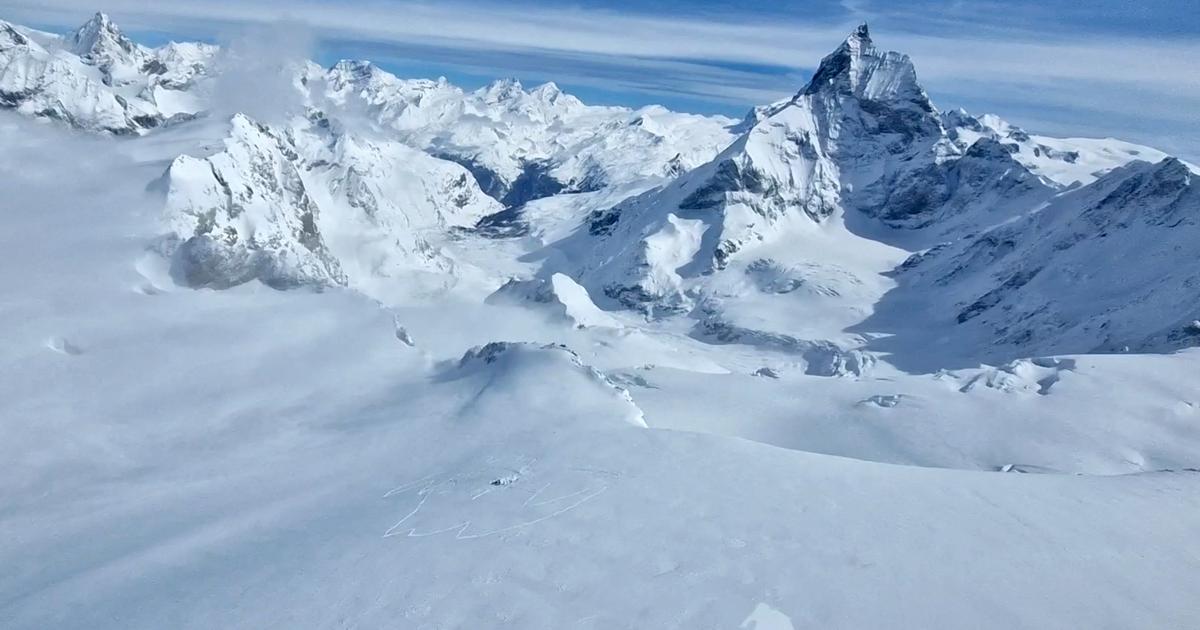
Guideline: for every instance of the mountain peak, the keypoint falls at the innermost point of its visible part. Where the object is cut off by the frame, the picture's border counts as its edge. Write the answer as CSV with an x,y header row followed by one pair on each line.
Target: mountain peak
x,y
547,91
98,37
100,20
856,68
843,68
502,90
861,34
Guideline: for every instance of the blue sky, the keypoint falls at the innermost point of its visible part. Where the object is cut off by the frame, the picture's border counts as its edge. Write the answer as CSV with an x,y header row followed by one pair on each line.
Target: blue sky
x,y
1096,68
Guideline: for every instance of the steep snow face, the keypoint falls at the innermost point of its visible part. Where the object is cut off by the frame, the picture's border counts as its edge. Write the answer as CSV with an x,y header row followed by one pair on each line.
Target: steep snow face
x,y
1104,268
97,79
310,203
862,128
523,145
1063,161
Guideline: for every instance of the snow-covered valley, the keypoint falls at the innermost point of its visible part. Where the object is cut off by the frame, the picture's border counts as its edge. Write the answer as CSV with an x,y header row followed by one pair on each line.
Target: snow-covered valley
x,y
399,355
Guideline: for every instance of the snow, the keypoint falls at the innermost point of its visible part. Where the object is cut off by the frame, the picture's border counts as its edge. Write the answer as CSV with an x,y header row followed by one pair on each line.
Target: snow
x,y
99,80
503,130
276,372
563,296
1064,161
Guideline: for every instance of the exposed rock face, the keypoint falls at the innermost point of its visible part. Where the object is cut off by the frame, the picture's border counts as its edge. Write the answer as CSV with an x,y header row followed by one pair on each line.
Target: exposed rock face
x,y
984,185
245,213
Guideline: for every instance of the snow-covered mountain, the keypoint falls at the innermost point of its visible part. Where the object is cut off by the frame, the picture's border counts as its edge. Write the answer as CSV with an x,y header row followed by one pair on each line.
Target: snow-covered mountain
x,y
99,80
1063,161
861,136
523,145
581,367
372,177
861,145
309,203
370,172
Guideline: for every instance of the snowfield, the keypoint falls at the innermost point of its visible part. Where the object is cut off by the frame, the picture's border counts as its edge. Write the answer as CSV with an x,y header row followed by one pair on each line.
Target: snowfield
x,y
406,356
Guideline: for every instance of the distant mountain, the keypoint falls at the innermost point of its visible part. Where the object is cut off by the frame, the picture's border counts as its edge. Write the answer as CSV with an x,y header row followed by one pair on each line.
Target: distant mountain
x,y
523,145
98,80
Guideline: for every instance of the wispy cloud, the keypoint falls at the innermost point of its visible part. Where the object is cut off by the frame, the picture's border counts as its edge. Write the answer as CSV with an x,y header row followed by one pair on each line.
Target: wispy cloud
x,y
976,53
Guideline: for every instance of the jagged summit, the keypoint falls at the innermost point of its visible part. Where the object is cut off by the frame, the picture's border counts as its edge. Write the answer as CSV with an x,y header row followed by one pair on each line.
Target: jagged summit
x,y
857,67
843,66
100,43
99,35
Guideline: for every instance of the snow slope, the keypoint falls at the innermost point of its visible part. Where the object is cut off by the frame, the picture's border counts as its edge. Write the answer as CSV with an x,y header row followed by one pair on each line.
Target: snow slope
x,y
1064,161
309,461
1104,268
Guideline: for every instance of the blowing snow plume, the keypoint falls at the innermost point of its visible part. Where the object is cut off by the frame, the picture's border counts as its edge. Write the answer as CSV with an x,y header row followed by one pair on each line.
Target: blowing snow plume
x,y
258,70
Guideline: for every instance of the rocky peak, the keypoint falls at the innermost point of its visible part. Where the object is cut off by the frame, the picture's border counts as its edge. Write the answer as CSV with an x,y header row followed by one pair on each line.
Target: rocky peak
x,y
98,37
354,67
859,39
101,44
843,67
1173,169
856,68
987,148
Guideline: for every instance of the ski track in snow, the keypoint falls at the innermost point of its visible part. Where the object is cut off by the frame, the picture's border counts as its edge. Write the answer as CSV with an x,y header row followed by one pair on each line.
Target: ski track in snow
x,y
573,499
